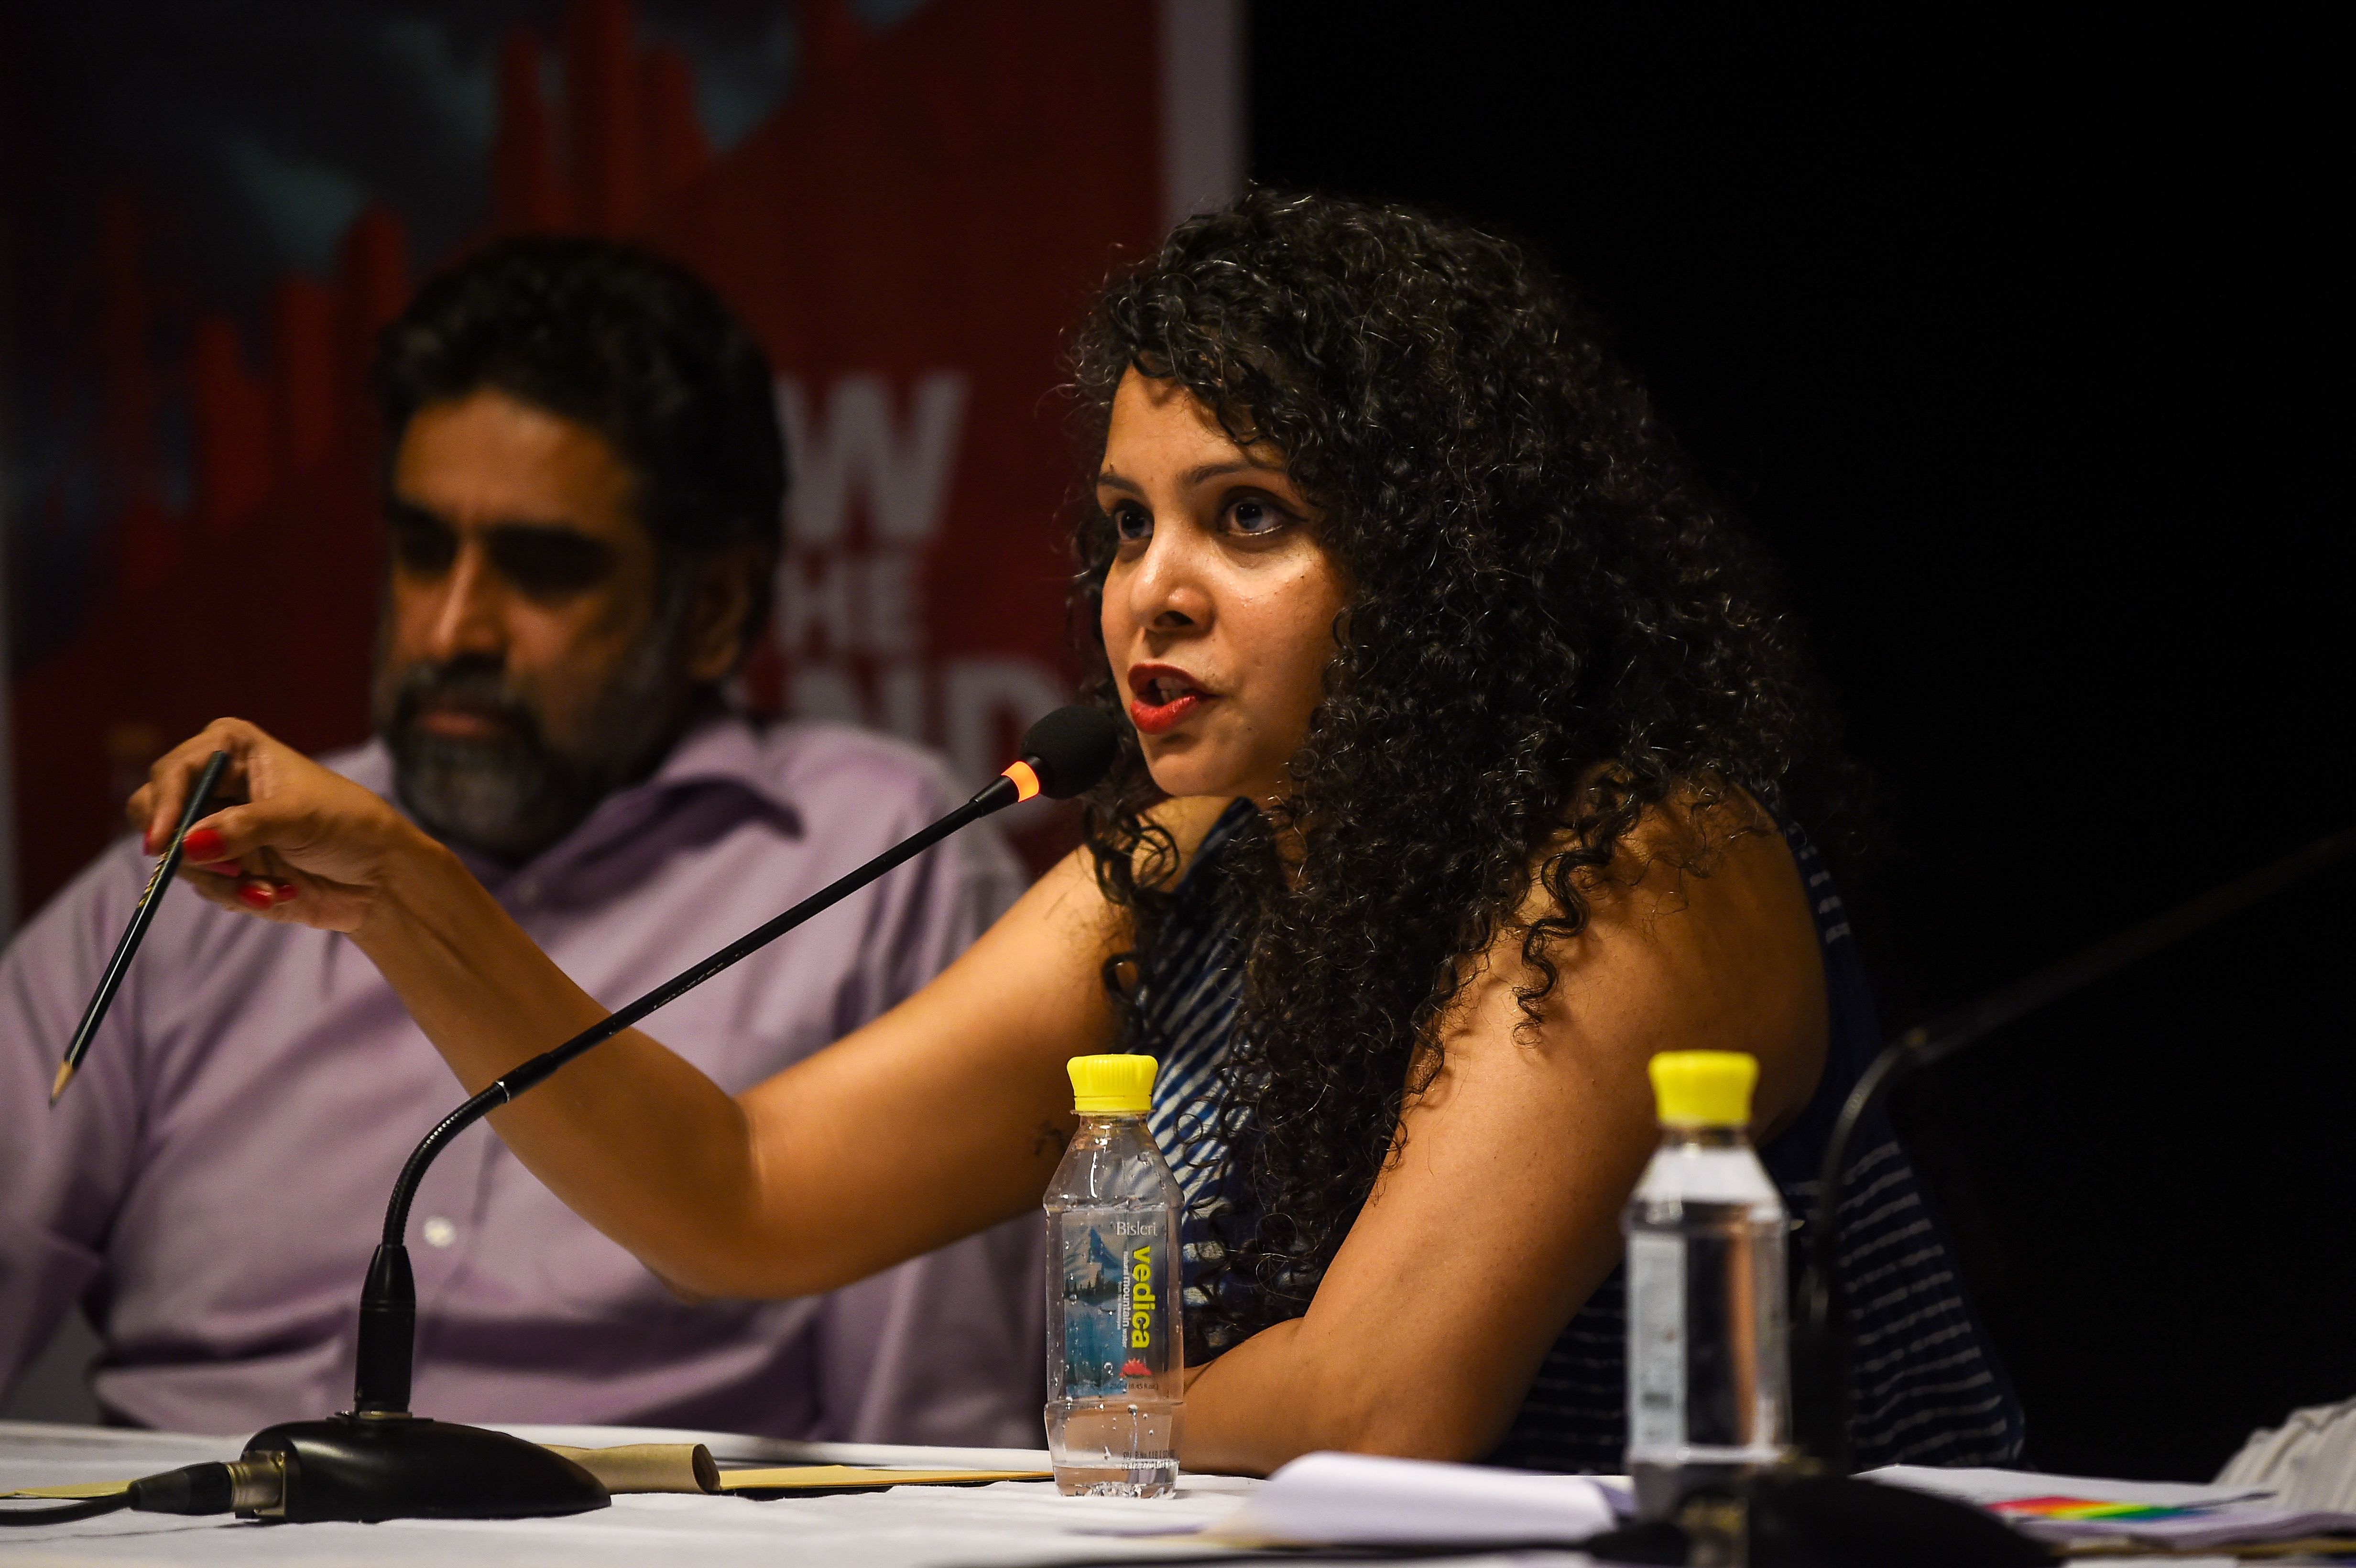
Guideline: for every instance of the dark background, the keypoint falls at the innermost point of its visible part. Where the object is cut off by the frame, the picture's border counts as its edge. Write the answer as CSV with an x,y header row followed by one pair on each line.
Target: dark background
x,y
250,133
2007,342
2007,345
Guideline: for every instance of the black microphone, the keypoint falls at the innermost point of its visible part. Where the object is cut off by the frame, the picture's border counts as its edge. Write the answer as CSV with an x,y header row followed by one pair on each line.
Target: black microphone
x,y
377,1461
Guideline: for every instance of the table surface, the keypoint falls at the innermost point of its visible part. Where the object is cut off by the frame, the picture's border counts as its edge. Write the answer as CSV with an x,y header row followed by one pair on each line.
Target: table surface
x,y
908,1526
996,1526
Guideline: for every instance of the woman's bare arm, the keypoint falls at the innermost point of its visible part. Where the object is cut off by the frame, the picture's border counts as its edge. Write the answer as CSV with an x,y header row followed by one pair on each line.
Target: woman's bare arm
x,y
1500,1214
945,1116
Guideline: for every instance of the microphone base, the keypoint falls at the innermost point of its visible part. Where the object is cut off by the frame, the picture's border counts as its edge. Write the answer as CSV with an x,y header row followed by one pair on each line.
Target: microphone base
x,y
366,1468
1838,1521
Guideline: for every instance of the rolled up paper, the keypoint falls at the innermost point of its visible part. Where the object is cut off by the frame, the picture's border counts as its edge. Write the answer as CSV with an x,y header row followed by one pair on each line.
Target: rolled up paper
x,y
648,1466
861,1479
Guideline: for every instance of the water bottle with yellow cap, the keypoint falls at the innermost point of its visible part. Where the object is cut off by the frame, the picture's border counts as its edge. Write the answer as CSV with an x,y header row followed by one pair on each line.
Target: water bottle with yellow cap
x,y
1709,1385
1116,1346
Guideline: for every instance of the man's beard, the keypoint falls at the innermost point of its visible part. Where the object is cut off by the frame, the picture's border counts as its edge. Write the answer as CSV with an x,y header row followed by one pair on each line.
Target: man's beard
x,y
512,795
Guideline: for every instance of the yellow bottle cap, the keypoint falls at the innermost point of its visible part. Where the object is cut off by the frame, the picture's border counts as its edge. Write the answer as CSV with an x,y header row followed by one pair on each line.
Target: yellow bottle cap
x,y
1112,1085
1704,1088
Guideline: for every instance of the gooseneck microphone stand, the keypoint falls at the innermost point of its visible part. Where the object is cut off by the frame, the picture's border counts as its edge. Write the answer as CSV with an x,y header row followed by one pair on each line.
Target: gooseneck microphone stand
x,y
388,1303
1821,1344
377,1461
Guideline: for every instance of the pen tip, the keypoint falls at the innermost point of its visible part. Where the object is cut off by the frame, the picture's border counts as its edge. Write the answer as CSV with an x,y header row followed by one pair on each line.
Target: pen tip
x,y
65,1076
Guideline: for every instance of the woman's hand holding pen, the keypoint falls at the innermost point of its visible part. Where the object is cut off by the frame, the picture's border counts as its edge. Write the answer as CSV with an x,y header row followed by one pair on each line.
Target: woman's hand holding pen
x,y
305,846
300,845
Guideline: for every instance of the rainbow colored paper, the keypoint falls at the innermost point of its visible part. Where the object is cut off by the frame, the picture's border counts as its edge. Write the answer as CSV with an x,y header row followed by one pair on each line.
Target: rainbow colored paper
x,y
2086,1509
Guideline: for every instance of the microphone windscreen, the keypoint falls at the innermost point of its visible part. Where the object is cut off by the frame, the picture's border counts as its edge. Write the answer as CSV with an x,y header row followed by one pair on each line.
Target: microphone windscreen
x,y
1070,749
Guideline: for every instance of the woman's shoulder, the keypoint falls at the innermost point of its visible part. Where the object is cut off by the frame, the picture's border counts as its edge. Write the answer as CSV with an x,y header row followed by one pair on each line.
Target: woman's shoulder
x,y
1610,850
1711,854
1692,922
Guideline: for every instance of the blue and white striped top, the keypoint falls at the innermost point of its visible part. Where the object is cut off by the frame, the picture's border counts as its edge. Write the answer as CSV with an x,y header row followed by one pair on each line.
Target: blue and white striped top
x,y
1927,1387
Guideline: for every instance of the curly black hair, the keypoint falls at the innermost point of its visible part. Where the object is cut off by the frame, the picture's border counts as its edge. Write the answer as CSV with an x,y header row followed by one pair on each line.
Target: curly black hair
x,y
1551,626
635,346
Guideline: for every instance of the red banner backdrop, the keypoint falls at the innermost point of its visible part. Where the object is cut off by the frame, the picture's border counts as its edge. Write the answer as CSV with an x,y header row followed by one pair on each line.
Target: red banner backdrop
x,y
909,236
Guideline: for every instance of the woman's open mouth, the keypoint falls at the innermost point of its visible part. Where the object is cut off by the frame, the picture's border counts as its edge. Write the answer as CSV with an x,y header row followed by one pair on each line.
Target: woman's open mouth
x,y
1161,698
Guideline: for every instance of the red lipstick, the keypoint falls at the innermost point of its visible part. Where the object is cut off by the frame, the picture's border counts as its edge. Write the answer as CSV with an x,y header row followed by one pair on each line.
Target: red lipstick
x,y
1162,697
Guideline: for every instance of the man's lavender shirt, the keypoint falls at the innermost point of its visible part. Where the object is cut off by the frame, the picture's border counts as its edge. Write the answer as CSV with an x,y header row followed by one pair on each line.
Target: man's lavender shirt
x,y
212,1184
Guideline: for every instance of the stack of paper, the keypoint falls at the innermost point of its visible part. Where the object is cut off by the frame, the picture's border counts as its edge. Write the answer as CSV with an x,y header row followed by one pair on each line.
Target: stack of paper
x,y
2078,1511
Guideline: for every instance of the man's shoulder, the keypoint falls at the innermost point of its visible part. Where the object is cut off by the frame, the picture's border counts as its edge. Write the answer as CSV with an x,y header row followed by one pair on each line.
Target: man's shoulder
x,y
818,767
852,786
367,764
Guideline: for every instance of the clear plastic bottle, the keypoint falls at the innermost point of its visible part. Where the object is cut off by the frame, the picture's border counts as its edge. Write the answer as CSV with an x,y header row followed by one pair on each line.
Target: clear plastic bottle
x,y
1708,1379
1116,1346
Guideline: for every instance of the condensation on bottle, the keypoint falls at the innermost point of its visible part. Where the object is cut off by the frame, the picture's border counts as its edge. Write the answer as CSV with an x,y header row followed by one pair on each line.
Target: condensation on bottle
x,y
1115,1341
1708,1378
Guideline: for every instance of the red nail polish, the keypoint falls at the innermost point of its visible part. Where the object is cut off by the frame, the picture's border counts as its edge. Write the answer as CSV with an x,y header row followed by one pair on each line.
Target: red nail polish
x,y
203,846
284,892
254,896
147,842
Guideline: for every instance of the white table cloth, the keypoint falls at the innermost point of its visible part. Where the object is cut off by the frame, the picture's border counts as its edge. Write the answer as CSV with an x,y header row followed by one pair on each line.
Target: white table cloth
x,y
909,1527
998,1526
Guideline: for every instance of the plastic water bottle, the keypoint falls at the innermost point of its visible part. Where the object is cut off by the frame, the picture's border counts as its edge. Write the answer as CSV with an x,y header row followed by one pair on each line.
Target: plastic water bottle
x,y
1116,1345
1709,1381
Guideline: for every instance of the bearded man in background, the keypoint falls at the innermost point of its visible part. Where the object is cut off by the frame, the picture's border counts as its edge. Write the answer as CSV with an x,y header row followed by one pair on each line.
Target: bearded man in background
x,y
583,503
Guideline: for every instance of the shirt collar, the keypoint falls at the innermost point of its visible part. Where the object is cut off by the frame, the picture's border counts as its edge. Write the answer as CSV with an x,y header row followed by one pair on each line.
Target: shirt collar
x,y
722,749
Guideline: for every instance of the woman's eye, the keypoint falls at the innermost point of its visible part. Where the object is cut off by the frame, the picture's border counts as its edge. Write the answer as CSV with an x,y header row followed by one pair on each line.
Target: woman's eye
x,y
1250,517
1131,524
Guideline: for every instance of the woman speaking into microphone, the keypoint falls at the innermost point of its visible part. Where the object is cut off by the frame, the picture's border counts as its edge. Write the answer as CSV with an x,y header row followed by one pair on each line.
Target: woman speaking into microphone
x,y
1466,763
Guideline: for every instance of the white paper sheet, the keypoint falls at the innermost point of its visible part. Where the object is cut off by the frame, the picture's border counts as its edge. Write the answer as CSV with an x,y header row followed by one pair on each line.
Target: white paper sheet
x,y
1986,1487
1359,1500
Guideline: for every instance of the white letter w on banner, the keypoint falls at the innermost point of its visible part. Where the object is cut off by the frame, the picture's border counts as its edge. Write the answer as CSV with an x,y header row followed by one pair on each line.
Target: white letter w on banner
x,y
903,474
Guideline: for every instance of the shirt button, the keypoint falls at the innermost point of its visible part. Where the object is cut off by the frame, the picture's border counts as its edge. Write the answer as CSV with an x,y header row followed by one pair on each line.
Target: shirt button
x,y
440,1232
